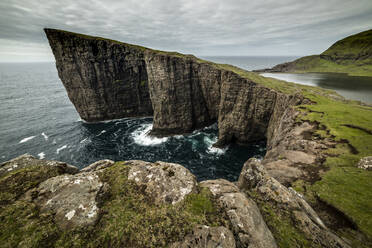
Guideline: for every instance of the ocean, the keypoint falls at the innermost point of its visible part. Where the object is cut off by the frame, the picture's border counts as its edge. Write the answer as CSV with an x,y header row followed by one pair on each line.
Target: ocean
x,y
36,117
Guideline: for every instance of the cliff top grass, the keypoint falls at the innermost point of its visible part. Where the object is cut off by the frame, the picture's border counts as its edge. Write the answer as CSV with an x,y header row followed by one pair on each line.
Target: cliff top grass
x,y
97,38
344,186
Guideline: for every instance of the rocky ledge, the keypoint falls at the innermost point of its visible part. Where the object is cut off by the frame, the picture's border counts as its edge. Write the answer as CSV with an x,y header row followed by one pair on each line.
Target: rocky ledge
x,y
140,204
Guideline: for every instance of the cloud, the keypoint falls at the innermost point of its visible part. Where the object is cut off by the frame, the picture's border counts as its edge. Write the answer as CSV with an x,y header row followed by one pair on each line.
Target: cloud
x,y
204,27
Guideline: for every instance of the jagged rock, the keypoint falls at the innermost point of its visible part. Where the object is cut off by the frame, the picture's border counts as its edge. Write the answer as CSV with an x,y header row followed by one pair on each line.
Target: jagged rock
x,y
291,151
99,165
365,163
165,182
207,237
27,160
244,216
255,178
74,199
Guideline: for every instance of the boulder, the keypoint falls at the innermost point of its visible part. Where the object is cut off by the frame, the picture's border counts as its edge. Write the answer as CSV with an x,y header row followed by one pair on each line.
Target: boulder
x,y
244,216
73,199
255,178
207,237
27,160
164,182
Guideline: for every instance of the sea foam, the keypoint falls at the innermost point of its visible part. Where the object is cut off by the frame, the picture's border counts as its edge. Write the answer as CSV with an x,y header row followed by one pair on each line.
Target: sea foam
x,y
61,148
26,139
141,136
41,155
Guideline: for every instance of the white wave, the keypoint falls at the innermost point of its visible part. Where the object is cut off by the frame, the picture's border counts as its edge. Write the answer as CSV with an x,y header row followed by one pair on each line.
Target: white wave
x,y
27,139
61,148
216,150
211,149
102,132
44,135
141,136
41,155
84,140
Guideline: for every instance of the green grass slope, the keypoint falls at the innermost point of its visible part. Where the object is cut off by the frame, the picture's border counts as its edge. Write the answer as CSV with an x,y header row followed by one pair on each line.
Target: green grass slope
x,y
351,55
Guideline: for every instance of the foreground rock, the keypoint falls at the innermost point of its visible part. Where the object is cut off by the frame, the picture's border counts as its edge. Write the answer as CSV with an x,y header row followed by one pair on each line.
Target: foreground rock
x,y
245,217
140,204
269,191
164,182
73,199
207,237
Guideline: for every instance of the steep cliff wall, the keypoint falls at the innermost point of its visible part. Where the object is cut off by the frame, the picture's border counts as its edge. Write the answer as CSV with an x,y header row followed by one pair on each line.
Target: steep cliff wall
x,y
104,79
107,79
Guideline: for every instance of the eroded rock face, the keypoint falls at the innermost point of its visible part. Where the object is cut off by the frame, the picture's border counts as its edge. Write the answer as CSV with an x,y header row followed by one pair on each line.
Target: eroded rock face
x,y
164,182
74,199
255,178
244,216
104,79
207,237
292,151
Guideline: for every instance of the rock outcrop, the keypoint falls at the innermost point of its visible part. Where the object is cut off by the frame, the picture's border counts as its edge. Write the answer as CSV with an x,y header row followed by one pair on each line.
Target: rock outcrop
x,y
244,216
269,191
141,204
207,237
164,182
107,79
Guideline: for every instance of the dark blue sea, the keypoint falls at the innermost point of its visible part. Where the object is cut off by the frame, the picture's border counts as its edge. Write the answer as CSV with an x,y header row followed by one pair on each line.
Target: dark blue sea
x,y
36,117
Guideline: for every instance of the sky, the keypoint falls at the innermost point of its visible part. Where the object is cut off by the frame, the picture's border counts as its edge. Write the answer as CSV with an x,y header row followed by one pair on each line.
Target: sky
x,y
202,28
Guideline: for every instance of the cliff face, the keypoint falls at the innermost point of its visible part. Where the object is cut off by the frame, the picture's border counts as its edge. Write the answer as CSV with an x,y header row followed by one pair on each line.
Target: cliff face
x,y
104,80
107,79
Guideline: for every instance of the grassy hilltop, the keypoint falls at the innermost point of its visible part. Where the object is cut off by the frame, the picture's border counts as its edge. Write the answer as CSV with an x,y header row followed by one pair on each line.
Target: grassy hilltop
x,y
351,55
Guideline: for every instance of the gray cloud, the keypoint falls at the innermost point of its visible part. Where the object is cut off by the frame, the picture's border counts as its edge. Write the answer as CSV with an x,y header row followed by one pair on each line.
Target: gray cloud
x,y
204,27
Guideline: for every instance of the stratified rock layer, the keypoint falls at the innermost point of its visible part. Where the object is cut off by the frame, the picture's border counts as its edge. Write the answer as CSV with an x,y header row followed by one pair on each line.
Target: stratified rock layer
x,y
106,79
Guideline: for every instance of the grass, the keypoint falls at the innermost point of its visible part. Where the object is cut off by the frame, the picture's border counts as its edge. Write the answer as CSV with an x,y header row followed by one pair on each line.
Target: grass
x,y
349,189
343,186
17,182
351,55
317,64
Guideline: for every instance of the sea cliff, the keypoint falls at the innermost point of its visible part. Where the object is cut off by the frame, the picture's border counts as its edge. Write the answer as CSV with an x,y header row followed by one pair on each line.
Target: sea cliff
x,y
308,191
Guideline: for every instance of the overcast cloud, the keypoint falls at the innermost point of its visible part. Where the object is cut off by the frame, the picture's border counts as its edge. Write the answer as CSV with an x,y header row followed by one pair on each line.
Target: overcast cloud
x,y
204,27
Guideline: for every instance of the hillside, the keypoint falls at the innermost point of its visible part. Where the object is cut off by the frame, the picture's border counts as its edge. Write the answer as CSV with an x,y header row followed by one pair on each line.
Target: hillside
x,y
351,55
